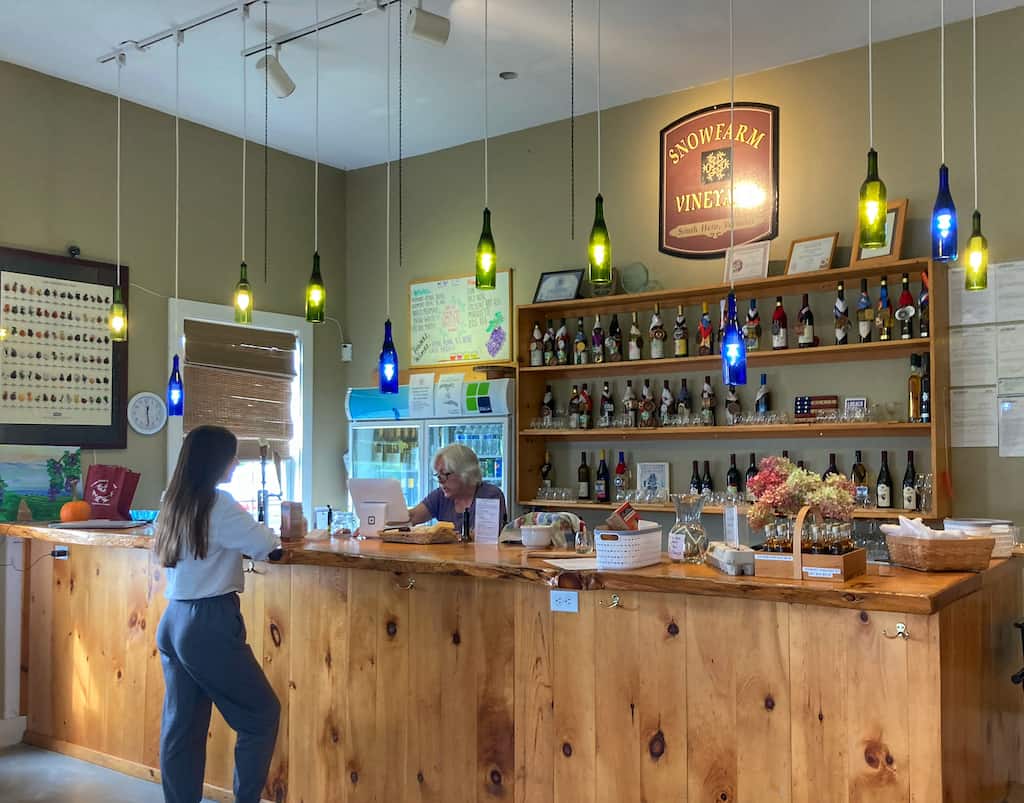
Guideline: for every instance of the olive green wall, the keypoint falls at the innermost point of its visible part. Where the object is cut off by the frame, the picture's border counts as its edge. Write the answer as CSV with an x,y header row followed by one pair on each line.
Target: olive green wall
x,y
58,188
823,137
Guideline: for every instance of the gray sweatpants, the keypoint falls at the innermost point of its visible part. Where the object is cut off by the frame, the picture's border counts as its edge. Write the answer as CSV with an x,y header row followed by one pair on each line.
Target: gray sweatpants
x,y
206,660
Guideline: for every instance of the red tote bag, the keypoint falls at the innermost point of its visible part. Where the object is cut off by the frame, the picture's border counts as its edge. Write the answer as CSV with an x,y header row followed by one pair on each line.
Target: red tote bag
x,y
110,490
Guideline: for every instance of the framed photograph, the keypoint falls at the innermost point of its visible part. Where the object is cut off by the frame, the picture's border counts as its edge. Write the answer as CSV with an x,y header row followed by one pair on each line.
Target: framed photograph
x,y
895,224
559,285
652,476
855,405
812,253
746,262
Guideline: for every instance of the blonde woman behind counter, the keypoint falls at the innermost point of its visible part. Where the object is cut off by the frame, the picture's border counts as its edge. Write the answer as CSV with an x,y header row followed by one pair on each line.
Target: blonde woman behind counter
x,y
460,482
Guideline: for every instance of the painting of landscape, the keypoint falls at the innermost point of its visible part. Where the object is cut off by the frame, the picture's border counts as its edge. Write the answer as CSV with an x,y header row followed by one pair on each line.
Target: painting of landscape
x,y
37,480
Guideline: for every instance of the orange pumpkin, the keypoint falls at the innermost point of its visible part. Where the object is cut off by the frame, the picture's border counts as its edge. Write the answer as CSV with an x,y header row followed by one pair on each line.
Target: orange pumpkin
x,y
76,510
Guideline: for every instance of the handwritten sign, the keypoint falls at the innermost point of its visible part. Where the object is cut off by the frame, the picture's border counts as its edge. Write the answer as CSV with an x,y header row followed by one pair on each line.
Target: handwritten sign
x,y
450,321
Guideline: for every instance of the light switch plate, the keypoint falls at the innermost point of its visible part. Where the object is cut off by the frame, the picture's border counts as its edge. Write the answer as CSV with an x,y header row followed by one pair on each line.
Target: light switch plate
x,y
565,601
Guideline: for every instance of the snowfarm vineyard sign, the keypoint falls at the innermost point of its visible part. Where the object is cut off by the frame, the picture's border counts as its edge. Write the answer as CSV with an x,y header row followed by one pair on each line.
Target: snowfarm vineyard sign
x,y
707,165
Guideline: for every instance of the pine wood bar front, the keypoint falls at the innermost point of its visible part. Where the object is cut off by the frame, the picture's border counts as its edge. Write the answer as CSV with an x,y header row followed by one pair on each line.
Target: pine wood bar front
x,y
441,674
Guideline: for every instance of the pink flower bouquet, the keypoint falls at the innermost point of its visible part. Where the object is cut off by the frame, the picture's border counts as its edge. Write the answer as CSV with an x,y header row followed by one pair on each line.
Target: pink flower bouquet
x,y
781,489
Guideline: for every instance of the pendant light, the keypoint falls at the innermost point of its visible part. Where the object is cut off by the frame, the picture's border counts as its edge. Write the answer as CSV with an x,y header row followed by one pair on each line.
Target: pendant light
x,y
944,223
873,207
117,320
243,300
316,296
976,274
599,249
734,348
486,258
387,367
175,387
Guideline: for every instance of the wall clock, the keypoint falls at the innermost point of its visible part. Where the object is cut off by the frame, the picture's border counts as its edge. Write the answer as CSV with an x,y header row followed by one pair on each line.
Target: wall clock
x,y
147,413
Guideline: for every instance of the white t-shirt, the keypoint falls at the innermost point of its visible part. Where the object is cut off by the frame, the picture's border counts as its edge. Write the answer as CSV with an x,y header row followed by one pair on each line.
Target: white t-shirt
x,y
233,532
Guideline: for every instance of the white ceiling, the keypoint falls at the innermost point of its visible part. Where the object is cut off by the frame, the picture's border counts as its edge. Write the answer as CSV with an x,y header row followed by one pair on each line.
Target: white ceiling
x,y
649,48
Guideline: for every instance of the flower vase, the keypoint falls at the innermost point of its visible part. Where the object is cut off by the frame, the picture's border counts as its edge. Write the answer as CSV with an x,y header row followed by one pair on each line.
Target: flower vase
x,y
687,540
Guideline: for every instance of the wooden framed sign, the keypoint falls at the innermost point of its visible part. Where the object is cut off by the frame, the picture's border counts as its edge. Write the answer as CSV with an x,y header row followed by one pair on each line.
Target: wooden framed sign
x,y
703,160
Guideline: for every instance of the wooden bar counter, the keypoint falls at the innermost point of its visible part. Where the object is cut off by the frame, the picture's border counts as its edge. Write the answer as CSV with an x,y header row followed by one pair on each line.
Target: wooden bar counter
x,y
441,674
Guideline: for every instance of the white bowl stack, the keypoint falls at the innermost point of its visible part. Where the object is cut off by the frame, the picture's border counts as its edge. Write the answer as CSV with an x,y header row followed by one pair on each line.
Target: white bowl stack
x,y
1002,530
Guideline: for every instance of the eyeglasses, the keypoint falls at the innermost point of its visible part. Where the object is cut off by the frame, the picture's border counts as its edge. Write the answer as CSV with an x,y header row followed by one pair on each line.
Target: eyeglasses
x,y
442,476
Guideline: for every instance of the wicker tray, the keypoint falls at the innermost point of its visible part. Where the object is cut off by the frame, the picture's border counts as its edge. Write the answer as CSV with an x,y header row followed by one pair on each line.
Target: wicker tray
x,y
971,554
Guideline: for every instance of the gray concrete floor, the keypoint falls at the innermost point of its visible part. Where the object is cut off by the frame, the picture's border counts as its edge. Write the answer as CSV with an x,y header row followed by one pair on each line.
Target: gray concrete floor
x,y
29,775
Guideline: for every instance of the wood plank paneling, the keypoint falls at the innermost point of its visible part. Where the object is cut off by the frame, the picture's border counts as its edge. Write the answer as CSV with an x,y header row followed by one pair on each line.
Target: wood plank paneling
x,y
461,647
535,729
38,680
391,751
365,767
278,645
573,668
924,709
428,604
495,697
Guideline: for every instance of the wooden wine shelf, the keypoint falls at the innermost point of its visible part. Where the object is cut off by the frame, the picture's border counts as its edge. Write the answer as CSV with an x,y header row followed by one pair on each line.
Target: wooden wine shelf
x,y
714,510
888,350
868,429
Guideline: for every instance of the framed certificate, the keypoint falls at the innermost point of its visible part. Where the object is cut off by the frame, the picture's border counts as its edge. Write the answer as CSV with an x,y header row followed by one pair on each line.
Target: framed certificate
x,y
746,262
812,253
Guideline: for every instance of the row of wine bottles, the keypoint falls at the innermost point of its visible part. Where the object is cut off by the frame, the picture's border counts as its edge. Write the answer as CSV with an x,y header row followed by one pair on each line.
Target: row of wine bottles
x,y
552,346
736,484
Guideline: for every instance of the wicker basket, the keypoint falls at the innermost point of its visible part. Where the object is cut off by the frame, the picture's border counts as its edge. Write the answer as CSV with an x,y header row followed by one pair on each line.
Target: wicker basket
x,y
970,554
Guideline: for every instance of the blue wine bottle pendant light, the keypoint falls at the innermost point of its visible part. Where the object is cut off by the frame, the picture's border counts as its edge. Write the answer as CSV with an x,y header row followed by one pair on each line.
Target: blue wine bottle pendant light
x,y
175,391
387,365
944,222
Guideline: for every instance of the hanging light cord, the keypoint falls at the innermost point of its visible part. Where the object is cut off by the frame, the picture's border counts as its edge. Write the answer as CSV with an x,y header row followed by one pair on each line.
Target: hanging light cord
x,y
245,120
266,148
117,204
598,97
871,84
486,120
401,49
316,131
942,80
974,94
572,120
732,133
387,178
177,156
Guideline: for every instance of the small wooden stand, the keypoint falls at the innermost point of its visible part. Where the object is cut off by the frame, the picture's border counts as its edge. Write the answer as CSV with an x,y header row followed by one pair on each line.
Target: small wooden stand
x,y
798,566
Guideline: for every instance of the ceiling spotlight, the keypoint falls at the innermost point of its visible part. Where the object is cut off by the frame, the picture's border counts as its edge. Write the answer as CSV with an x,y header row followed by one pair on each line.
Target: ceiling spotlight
x,y
431,27
281,84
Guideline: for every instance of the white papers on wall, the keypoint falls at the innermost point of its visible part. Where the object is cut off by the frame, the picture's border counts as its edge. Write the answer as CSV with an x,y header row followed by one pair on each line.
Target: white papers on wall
x,y
972,413
421,395
448,396
1011,418
1010,299
967,308
972,356
1010,350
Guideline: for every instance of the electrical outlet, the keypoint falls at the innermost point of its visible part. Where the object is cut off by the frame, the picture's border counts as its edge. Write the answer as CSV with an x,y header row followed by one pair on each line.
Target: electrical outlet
x,y
565,601
346,352
60,553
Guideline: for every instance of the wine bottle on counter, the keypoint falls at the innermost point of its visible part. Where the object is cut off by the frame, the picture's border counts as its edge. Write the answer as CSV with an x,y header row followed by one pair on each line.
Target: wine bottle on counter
x,y
706,484
580,349
926,389
621,478
832,468
751,473
883,317
574,408
536,346
884,490
705,332
910,484
780,326
707,404
562,344
924,312
805,320
914,389
859,475
597,341
602,483
763,400
680,335
586,408
636,342
547,404
685,405
547,472
865,315
613,340
752,328
905,310
583,478
630,404
607,406
695,483
549,344
841,315
656,333
732,478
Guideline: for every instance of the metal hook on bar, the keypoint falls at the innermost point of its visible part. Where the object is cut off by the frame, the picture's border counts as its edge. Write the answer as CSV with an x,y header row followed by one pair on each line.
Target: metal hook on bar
x,y
901,632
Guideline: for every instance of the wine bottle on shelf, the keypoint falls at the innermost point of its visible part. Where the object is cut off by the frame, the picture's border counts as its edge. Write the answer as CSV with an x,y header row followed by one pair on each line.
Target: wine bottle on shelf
x,y
884,490
536,346
580,349
602,483
752,328
914,389
785,454
630,404
841,315
751,473
680,335
547,404
621,478
800,464
723,319
607,406
647,406
656,333
926,389
805,321
574,408
733,409
883,317
695,483
924,312
613,340
859,475
562,344
707,404
705,332
763,400
732,478
707,485
865,315
832,468
583,478
910,484
668,404
905,310
685,405
547,471
780,326
636,342
549,344
586,408
597,341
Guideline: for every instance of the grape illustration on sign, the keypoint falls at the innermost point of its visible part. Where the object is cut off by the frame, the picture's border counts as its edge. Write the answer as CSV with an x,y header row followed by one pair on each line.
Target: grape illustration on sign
x,y
710,162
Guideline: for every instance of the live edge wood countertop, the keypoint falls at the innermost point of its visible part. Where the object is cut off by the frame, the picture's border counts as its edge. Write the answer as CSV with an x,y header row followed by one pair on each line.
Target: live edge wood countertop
x,y
884,588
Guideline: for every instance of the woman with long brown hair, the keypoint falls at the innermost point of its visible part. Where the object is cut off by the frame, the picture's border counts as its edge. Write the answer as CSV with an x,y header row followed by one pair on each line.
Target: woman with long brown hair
x,y
201,535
